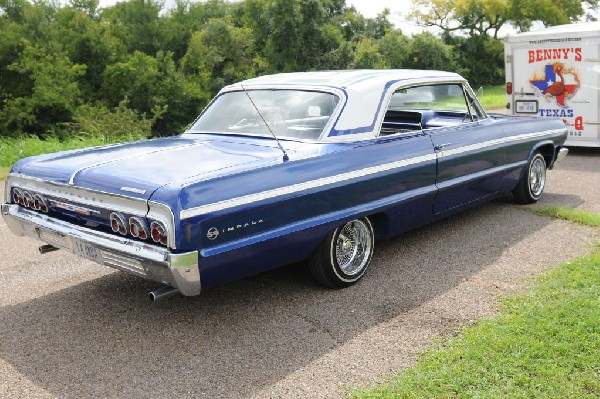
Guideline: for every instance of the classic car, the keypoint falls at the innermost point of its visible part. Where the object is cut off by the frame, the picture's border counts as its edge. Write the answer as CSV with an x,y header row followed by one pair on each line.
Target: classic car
x,y
279,169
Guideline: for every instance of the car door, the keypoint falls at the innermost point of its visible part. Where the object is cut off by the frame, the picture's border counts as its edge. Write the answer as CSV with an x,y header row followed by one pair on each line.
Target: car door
x,y
469,146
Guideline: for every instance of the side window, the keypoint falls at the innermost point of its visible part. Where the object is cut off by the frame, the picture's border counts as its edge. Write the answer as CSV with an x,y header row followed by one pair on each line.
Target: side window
x,y
429,107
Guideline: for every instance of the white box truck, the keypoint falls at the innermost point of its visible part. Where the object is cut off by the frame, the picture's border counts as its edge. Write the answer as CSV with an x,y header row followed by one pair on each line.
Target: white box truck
x,y
555,72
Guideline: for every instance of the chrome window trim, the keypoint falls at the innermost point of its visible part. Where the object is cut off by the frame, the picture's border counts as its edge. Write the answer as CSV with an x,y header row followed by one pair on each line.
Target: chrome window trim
x,y
317,183
263,87
464,85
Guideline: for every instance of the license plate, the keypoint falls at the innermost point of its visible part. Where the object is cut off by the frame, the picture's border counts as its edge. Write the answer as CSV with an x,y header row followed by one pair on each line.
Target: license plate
x,y
86,250
526,106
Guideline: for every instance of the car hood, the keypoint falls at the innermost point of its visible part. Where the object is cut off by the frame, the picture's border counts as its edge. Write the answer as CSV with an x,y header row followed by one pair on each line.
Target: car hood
x,y
137,169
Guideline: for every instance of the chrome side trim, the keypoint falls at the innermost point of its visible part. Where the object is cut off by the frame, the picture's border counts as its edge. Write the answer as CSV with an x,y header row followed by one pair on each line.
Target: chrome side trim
x,y
250,198
152,262
295,188
491,143
484,173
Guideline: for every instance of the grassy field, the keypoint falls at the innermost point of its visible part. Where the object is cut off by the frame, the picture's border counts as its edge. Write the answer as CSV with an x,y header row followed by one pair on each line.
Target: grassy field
x,y
493,97
545,344
574,215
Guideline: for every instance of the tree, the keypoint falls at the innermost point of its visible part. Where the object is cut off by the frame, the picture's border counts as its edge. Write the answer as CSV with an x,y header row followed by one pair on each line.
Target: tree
x,y
48,92
428,52
367,55
486,17
394,47
479,59
136,23
221,54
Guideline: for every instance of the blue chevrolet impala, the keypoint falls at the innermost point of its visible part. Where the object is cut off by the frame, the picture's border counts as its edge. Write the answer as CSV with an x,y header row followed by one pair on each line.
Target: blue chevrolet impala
x,y
278,169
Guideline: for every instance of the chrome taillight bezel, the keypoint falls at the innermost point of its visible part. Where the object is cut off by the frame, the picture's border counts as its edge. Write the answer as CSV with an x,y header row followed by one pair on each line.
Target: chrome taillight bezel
x,y
138,228
27,199
17,196
118,223
158,232
30,200
40,203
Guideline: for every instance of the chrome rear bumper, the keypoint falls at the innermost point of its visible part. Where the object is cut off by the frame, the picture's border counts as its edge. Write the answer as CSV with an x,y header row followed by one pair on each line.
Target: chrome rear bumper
x,y
148,261
561,154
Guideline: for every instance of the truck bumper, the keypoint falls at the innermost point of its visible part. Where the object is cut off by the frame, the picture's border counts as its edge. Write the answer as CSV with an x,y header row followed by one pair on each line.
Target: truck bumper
x,y
179,270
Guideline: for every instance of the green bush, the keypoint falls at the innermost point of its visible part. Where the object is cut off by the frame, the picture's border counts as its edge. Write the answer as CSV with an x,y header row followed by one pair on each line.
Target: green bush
x,y
118,124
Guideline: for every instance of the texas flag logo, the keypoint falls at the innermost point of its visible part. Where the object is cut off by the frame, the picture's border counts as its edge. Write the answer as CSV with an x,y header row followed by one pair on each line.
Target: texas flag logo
x,y
558,83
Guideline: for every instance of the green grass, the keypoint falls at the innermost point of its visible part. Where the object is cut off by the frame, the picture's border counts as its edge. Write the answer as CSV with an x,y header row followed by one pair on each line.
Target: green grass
x,y
573,215
493,97
3,172
545,344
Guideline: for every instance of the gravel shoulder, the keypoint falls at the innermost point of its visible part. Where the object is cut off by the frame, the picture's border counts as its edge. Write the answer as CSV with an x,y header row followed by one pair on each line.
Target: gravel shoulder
x,y
73,329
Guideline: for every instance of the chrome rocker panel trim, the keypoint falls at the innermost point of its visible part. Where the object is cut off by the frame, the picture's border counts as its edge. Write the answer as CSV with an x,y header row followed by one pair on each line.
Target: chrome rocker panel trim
x,y
151,262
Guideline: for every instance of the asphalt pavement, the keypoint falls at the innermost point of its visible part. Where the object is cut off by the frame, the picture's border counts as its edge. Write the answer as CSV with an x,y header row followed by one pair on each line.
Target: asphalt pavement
x,y
72,329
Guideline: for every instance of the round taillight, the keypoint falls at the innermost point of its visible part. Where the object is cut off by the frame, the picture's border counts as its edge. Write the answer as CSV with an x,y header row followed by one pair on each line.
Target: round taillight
x,y
509,88
39,203
138,228
17,196
27,199
158,232
118,223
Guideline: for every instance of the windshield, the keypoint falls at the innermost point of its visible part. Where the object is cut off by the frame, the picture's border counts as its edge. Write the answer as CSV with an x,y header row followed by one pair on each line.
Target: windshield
x,y
289,113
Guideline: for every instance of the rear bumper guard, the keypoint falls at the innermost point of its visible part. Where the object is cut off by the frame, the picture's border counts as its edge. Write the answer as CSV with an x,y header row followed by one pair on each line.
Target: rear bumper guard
x,y
561,154
179,270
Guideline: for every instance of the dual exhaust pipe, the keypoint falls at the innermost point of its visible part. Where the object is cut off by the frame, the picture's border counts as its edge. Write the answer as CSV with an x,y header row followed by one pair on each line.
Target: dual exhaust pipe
x,y
163,292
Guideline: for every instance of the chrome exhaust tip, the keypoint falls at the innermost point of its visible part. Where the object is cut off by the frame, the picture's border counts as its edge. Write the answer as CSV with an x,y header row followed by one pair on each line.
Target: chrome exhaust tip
x,y
44,249
162,293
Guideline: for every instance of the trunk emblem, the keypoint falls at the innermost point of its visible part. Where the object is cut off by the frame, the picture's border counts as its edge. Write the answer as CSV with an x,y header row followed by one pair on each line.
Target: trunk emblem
x,y
133,190
73,208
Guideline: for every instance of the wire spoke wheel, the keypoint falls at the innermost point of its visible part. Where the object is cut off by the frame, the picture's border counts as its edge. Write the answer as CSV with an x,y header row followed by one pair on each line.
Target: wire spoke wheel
x,y
353,247
344,256
533,181
537,176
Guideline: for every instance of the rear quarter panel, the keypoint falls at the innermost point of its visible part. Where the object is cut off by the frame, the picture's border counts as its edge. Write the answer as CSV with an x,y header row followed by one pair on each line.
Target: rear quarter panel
x,y
275,215
528,135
